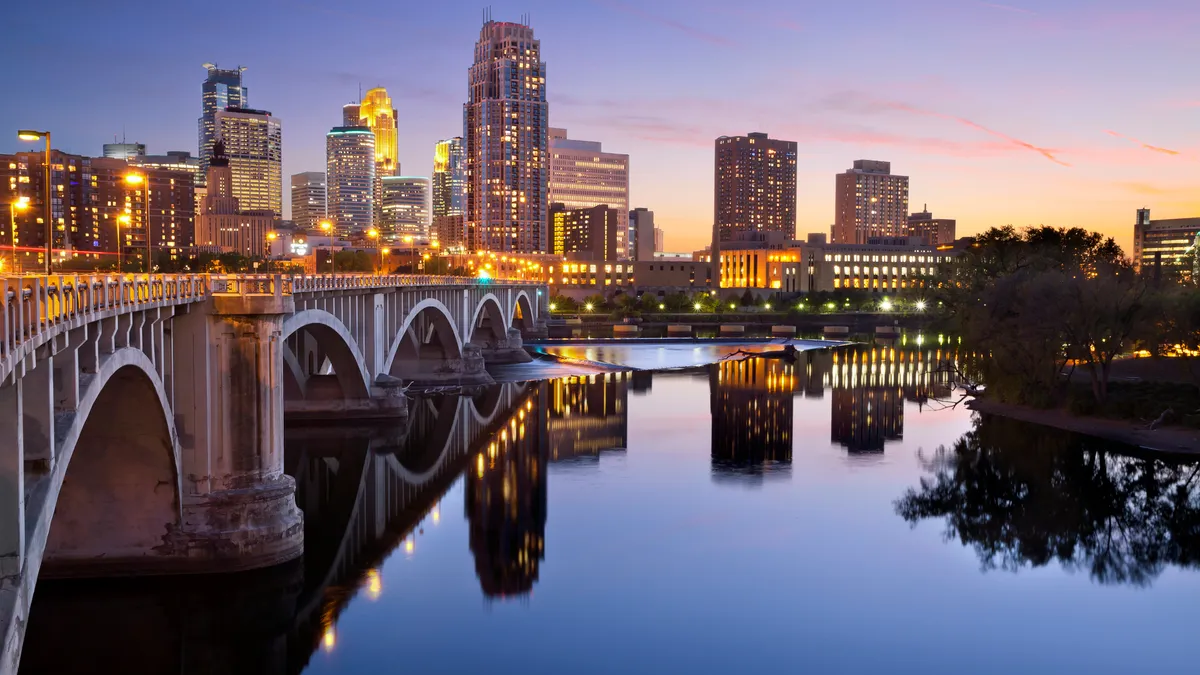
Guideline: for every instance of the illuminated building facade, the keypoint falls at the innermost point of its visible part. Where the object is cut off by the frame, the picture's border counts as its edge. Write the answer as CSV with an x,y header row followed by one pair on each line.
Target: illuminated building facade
x,y
308,199
222,225
125,151
582,176
222,89
1162,240
752,416
405,209
871,202
376,113
253,142
755,188
587,415
350,178
585,234
931,231
450,232
505,503
505,125
449,178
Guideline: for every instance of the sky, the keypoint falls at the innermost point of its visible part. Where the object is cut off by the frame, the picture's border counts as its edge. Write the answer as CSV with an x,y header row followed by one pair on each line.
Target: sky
x,y
1056,112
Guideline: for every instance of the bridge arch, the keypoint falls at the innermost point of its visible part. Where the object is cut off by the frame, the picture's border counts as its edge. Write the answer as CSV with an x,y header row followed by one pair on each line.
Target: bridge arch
x,y
523,317
304,369
488,327
113,499
429,350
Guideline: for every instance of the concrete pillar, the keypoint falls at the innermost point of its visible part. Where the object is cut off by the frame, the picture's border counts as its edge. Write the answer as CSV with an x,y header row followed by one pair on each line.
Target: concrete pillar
x,y
38,411
12,480
239,508
510,350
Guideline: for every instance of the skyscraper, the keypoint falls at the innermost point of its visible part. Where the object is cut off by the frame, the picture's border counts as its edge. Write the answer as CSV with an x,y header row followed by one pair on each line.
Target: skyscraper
x,y
932,231
642,232
582,175
449,178
350,115
308,199
254,147
125,151
871,202
505,121
405,207
377,114
585,234
221,89
755,189
222,224
350,178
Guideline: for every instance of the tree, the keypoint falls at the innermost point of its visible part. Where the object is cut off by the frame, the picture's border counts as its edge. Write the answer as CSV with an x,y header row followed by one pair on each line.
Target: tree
x,y
1100,318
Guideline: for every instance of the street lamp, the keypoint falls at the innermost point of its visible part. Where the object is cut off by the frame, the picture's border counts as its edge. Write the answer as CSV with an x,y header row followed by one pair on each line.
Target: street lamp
x,y
271,237
327,228
30,135
373,235
122,219
19,204
143,180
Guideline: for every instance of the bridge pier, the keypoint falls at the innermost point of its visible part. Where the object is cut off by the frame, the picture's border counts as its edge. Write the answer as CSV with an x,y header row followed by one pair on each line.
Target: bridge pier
x,y
509,350
239,508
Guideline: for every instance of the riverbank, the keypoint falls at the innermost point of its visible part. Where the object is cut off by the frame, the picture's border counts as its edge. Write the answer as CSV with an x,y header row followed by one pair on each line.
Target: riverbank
x,y
1173,440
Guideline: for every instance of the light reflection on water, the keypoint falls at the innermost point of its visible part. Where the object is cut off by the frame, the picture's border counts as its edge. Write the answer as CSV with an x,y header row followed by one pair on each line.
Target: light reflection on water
x,y
824,515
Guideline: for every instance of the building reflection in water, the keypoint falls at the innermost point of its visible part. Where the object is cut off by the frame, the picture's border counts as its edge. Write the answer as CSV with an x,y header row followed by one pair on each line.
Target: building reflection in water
x,y
587,415
751,405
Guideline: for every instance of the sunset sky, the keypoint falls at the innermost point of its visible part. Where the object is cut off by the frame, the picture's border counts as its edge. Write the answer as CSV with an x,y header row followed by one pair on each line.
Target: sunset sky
x,y
1062,112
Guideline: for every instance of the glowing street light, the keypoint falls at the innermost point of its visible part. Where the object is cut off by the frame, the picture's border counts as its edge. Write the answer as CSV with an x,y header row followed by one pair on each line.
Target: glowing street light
x,y
123,219
886,305
588,307
553,307
696,307
373,235
661,306
20,204
31,135
143,181
920,305
327,228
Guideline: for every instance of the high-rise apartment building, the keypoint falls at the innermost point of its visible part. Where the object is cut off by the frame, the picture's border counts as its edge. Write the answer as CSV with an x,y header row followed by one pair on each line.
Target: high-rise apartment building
x,y
350,178
175,160
171,220
1164,241
405,207
222,89
931,231
658,240
505,123
585,234
449,178
222,225
254,147
642,234
350,115
871,203
755,188
125,151
308,199
582,175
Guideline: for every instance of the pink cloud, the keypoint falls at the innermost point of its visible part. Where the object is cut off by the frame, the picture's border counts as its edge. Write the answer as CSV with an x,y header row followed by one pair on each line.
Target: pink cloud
x,y
1154,148
667,22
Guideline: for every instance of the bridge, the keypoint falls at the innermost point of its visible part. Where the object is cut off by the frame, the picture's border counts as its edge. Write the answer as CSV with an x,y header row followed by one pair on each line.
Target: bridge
x,y
141,417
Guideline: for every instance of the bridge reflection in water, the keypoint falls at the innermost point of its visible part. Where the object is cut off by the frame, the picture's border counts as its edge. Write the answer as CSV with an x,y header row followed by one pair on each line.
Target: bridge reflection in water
x,y
368,491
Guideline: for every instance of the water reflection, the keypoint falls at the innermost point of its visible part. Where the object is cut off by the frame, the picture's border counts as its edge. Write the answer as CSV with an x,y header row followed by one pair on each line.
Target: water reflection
x,y
1026,496
751,404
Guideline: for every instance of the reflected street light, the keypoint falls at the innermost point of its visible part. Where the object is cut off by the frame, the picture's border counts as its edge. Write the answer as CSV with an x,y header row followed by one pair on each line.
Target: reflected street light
x,y
47,190
20,204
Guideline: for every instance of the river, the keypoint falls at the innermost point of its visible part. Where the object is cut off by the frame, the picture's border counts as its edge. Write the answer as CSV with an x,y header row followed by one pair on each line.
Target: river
x,y
836,515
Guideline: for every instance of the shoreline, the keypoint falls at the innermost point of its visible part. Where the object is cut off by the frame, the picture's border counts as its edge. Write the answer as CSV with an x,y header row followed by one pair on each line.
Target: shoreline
x,y
1169,440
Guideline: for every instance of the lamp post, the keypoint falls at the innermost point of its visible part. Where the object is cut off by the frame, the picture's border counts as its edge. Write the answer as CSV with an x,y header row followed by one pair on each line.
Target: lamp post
x,y
30,135
412,265
20,204
327,228
123,219
373,235
143,180
271,237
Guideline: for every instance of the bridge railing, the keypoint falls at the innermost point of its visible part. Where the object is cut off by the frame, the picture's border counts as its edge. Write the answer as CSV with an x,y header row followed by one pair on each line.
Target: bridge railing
x,y
33,306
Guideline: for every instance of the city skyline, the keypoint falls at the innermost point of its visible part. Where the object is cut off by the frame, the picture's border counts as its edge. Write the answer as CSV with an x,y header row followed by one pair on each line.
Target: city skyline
x,y
990,144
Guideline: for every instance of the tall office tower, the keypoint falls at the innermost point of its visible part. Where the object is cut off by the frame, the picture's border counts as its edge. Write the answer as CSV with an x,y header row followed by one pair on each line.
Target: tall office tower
x,y
254,147
871,202
505,121
125,151
449,178
755,190
658,240
377,114
308,199
222,89
585,234
350,178
582,175
641,233
222,225
932,231
405,207
350,115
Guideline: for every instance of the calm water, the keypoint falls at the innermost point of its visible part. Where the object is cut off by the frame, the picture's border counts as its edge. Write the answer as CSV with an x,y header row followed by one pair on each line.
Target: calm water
x,y
824,517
